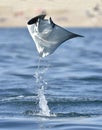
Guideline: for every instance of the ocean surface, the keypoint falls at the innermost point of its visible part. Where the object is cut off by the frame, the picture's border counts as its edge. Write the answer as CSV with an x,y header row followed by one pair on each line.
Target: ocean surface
x,y
60,92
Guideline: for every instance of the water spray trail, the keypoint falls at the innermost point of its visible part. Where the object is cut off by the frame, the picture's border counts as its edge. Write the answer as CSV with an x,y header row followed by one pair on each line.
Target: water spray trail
x,y
45,111
39,75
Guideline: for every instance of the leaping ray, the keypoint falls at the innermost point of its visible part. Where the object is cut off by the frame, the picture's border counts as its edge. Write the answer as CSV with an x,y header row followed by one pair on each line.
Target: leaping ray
x,y
47,35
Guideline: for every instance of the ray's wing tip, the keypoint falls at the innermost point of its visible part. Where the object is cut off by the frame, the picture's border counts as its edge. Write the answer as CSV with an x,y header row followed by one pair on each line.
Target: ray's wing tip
x,y
81,36
77,35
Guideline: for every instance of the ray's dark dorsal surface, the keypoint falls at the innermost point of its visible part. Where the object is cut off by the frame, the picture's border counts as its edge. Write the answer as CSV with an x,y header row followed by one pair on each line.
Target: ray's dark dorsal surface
x,y
47,35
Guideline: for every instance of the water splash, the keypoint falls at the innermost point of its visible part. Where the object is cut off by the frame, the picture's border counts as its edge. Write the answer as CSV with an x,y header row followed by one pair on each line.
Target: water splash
x,y
45,111
41,84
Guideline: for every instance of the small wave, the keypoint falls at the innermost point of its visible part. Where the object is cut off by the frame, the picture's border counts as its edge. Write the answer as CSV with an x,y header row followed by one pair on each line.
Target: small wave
x,y
70,114
88,78
24,76
20,98
74,100
37,113
52,101
73,114
12,98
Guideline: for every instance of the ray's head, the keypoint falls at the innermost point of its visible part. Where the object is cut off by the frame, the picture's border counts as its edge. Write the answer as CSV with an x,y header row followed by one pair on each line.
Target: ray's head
x,y
35,19
40,24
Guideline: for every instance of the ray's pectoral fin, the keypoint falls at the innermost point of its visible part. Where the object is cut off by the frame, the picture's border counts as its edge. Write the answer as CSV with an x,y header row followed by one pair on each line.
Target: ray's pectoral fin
x,y
71,34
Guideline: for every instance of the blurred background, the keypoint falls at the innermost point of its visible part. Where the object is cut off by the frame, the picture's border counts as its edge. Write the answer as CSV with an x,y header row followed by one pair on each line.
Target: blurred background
x,y
63,12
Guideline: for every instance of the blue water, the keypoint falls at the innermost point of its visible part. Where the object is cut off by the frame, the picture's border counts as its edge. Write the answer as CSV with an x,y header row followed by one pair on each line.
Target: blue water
x,y
72,79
